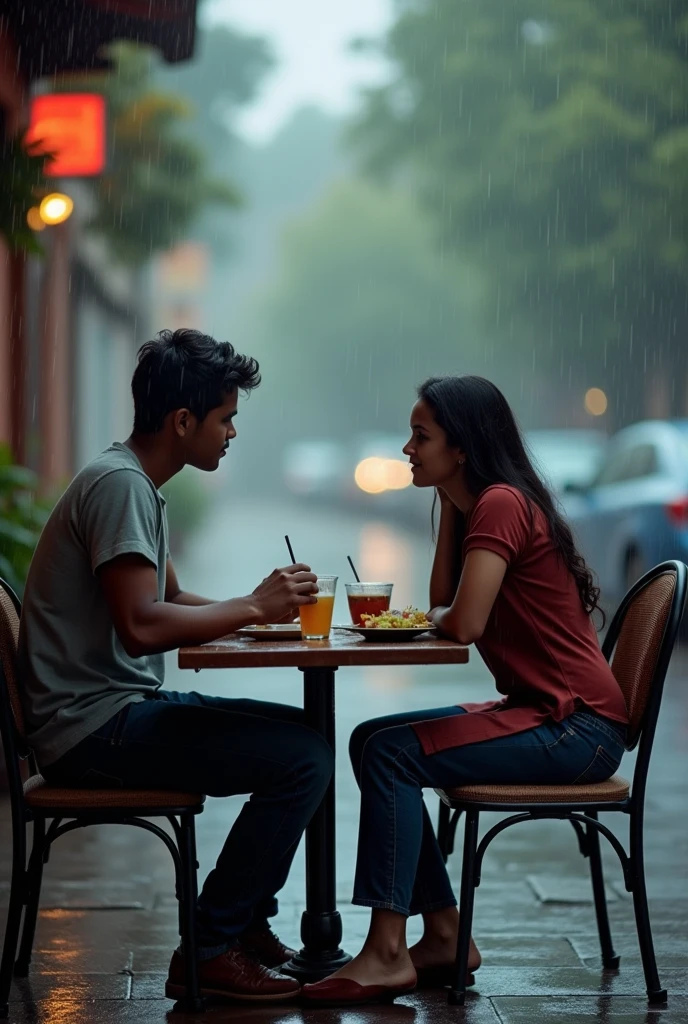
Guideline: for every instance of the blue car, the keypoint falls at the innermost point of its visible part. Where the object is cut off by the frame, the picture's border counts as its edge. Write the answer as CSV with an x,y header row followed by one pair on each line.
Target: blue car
x,y
634,514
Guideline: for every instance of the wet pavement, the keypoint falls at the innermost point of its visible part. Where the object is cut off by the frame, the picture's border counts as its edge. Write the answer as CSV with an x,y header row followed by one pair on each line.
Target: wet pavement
x,y
108,919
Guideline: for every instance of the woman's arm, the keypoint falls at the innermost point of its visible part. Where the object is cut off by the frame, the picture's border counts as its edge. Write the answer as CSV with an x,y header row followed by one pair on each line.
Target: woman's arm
x,y
442,581
464,620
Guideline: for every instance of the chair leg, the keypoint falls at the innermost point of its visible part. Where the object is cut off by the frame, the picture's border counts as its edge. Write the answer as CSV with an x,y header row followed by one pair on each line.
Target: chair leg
x,y
443,830
655,993
193,1001
451,834
33,885
610,960
457,993
14,916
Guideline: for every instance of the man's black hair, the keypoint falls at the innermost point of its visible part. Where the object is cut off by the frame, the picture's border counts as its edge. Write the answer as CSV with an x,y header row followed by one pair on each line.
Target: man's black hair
x,y
186,369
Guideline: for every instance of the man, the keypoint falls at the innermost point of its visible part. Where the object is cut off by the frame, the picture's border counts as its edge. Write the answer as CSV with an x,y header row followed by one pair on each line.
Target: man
x,y
102,605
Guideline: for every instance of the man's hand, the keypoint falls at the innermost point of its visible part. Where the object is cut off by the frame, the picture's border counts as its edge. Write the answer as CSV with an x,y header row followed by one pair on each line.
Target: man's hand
x,y
146,625
283,591
287,619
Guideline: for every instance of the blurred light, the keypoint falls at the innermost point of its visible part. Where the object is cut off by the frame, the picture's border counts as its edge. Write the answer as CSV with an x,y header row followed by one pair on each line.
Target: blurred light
x,y
56,208
595,401
375,475
71,127
34,219
677,512
370,475
537,33
399,474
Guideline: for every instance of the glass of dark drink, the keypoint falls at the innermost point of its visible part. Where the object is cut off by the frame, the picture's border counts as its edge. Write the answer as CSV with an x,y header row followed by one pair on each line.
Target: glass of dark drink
x,y
368,599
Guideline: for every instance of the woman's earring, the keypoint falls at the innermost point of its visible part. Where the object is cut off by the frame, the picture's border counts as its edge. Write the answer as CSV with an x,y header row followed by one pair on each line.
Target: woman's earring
x,y
461,462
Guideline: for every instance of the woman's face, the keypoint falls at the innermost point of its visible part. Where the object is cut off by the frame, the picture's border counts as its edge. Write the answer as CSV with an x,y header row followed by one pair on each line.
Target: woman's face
x,y
433,462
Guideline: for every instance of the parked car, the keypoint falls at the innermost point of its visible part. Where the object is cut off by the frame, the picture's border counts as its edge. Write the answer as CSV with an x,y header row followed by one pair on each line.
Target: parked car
x,y
567,458
634,513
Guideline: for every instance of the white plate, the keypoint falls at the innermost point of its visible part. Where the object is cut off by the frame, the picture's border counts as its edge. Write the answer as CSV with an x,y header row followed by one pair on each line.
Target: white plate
x,y
276,631
392,636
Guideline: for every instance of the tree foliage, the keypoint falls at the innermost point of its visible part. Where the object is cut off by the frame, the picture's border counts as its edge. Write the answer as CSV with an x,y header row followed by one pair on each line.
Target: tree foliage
x,y
22,181
362,307
22,517
156,183
548,140
224,75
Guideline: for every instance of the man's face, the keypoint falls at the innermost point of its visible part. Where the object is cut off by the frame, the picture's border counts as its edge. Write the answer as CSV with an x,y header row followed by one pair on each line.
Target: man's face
x,y
207,441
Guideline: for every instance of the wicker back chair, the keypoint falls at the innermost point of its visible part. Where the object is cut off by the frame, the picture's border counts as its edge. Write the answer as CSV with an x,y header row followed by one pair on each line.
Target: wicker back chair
x,y
638,645
66,809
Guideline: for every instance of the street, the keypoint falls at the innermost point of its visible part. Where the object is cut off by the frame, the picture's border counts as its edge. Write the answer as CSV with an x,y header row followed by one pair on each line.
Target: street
x,y
108,925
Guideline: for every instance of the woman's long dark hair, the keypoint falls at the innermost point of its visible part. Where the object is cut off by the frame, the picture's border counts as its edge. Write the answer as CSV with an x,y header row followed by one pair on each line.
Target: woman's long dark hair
x,y
477,418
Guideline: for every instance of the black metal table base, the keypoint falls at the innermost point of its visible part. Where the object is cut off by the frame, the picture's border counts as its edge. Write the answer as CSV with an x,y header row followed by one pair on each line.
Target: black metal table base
x,y
321,925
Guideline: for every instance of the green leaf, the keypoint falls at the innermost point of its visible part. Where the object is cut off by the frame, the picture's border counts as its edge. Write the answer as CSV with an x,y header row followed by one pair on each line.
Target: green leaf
x,y
17,534
18,476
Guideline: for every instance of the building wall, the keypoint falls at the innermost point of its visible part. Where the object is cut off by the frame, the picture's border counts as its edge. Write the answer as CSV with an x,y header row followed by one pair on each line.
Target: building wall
x,y
12,111
104,361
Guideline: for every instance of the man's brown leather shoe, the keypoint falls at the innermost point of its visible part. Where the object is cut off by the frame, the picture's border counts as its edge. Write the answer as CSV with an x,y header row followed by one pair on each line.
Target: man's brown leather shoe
x,y
265,947
235,976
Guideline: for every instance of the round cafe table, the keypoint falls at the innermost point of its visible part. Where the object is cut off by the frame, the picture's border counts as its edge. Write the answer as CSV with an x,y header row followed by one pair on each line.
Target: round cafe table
x,y
321,925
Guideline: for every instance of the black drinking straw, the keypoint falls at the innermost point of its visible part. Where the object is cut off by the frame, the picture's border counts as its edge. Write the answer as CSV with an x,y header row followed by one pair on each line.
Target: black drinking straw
x,y
291,553
353,569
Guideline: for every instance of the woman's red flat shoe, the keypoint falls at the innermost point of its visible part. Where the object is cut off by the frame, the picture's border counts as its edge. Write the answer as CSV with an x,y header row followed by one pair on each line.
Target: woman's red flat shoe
x,y
346,992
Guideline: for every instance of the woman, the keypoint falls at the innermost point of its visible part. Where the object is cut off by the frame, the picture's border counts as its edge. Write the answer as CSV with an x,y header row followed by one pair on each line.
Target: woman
x,y
507,578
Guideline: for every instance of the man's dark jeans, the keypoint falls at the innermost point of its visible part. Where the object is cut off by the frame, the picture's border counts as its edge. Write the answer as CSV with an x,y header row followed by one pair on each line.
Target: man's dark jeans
x,y
220,747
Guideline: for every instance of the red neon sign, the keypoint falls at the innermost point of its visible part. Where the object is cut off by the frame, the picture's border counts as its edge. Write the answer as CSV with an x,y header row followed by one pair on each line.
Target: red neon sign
x,y
72,126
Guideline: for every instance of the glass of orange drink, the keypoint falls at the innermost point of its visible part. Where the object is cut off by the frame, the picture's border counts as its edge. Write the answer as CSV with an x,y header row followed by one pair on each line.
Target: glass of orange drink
x,y
316,619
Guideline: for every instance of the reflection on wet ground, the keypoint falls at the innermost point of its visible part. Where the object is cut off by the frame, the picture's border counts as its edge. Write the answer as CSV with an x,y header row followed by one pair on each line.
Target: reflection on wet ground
x,y
108,920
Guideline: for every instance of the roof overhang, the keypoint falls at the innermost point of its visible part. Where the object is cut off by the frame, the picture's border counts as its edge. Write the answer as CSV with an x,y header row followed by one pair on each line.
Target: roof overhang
x,y
69,35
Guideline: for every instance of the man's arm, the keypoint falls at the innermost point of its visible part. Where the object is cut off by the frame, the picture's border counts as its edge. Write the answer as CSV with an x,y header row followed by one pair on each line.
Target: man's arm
x,y
146,625
175,595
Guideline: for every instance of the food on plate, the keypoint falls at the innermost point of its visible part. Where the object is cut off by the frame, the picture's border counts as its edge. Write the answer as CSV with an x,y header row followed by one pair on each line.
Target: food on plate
x,y
409,618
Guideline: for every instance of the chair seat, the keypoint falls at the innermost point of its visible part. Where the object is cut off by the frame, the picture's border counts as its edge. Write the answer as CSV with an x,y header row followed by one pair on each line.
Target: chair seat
x,y
611,791
40,794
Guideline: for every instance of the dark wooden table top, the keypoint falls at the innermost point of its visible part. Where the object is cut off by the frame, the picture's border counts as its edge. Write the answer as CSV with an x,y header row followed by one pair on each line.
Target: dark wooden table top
x,y
342,649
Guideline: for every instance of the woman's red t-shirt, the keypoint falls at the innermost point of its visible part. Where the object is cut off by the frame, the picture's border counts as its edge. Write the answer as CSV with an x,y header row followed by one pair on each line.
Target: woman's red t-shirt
x,y
539,643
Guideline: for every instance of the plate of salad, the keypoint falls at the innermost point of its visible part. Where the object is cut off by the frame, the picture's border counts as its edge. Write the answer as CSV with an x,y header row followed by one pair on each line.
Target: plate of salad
x,y
394,626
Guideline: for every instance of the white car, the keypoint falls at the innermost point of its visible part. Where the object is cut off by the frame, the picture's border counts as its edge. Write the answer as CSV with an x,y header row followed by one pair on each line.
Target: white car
x,y
567,459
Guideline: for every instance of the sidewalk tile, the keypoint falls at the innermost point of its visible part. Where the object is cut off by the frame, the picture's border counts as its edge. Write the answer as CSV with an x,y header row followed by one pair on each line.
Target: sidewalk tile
x,y
617,1010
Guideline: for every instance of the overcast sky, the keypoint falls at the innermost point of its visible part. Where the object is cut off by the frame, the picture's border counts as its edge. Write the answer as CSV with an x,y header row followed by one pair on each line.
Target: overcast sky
x,y
309,38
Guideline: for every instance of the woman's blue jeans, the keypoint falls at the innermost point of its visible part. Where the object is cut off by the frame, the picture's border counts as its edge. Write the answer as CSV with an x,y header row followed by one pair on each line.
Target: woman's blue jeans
x,y
219,746
399,865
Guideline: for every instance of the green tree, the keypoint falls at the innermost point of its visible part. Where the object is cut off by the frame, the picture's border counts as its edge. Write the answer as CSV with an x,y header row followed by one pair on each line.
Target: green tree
x,y
360,310
224,76
22,517
22,180
547,138
156,183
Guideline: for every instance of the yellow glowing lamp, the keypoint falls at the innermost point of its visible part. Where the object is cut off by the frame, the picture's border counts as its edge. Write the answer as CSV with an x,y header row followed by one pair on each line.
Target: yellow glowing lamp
x,y
595,401
34,219
56,208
